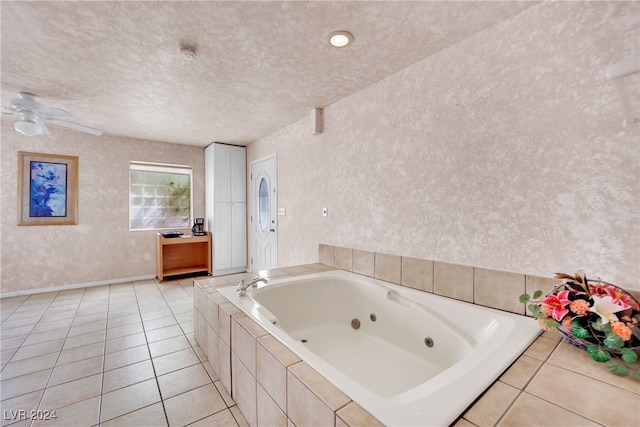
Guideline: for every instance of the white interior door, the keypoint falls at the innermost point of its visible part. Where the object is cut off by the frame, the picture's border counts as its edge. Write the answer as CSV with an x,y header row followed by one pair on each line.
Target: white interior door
x,y
264,214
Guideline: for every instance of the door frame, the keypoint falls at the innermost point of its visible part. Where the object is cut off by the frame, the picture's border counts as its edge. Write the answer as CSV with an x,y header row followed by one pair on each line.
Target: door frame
x,y
251,204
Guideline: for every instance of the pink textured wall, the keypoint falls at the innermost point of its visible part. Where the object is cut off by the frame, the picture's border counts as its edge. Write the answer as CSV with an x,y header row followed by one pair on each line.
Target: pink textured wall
x,y
100,247
505,151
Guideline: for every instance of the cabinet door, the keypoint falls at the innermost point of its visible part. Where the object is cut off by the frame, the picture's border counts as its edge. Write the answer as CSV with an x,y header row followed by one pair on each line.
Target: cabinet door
x,y
222,173
238,234
222,236
238,177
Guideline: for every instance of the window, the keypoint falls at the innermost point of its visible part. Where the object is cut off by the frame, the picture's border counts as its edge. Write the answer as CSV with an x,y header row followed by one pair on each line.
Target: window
x,y
159,196
263,205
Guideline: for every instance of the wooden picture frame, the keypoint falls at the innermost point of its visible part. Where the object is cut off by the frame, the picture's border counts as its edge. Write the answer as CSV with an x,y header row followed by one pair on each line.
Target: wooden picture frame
x,y
47,189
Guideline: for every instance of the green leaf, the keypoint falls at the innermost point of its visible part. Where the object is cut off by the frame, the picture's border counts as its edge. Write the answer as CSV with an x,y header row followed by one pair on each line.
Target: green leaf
x,y
618,369
598,354
537,294
535,310
598,326
629,355
636,373
553,324
579,331
613,341
524,298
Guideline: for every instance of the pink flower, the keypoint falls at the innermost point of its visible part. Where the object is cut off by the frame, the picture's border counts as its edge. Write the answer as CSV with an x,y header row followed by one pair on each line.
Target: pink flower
x,y
624,300
617,295
558,304
600,289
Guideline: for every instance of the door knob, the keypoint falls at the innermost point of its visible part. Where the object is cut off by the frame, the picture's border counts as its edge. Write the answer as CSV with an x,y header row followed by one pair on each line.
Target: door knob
x,y
272,230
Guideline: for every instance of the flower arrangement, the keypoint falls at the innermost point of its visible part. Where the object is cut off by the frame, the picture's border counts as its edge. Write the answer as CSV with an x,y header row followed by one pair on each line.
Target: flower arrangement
x,y
594,315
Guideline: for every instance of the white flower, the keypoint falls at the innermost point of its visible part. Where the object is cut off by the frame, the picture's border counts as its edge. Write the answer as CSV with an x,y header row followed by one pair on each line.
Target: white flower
x,y
605,307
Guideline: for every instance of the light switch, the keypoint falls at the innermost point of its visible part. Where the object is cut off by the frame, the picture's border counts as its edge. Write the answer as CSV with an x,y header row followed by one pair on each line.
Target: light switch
x,y
282,211
325,212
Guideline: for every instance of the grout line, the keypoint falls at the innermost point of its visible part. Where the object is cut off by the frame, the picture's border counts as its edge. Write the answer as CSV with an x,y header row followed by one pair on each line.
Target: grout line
x,y
191,347
535,373
110,307
104,356
473,286
57,358
139,313
433,277
153,366
30,331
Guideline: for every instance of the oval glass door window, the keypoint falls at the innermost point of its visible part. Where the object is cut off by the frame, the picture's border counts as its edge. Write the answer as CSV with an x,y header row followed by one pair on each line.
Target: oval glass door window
x,y
263,206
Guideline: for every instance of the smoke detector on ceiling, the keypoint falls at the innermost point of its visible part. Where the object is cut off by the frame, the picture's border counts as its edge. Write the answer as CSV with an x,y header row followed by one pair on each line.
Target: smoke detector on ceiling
x,y
188,52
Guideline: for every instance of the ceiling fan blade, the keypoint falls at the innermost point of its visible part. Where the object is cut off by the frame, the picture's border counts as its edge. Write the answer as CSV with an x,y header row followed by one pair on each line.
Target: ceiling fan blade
x,y
26,104
47,112
74,126
7,110
30,102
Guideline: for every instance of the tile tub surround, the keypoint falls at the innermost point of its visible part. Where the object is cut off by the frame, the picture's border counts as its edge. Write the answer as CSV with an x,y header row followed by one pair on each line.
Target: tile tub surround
x,y
526,391
270,384
476,285
489,288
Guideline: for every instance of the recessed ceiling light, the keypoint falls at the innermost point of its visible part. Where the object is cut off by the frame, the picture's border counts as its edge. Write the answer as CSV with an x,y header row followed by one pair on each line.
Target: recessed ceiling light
x,y
340,38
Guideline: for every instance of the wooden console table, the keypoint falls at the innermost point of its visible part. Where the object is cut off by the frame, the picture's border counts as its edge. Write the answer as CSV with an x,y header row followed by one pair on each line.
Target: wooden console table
x,y
183,255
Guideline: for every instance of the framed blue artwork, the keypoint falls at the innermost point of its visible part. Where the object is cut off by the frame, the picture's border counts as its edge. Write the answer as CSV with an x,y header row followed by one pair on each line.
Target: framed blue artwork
x,y
47,189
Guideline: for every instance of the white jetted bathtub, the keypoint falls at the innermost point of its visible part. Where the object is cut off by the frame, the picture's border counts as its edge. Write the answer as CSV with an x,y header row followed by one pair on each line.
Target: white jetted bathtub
x,y
405,356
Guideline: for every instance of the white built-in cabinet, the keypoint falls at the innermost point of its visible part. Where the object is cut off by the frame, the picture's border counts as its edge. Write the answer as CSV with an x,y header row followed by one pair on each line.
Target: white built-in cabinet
x,y
226,206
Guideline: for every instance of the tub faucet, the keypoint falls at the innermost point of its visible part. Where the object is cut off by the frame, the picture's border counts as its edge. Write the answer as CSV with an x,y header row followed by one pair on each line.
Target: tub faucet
x,y
243,286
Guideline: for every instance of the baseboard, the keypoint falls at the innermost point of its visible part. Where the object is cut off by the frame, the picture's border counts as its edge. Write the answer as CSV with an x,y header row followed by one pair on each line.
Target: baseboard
x,y
226,271
74,286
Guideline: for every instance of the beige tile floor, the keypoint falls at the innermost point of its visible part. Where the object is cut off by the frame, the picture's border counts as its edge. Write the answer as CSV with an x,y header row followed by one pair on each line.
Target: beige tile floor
x,y
115,355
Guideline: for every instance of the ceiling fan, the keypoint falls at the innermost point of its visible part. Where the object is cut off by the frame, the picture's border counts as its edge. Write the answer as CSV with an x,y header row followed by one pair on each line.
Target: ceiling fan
x,y
32,113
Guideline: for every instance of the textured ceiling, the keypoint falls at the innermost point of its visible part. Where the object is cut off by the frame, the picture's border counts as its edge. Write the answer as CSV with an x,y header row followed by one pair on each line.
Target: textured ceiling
x,y
117,66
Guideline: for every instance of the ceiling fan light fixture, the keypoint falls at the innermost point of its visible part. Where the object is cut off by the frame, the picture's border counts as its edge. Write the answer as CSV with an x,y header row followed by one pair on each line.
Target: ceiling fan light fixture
x,y
340,38
28,128
33,116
